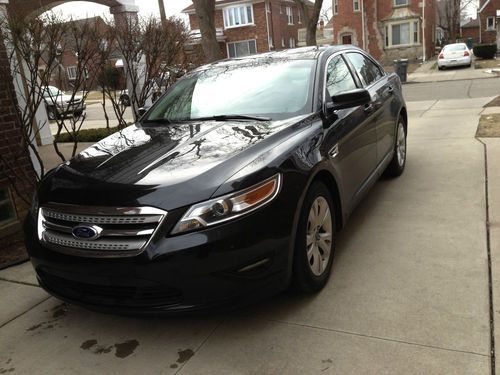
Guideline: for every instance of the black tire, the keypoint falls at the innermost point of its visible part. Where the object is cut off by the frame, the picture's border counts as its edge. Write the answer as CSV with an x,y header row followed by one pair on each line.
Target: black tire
x,y
51,113
304,279
440,68
398,161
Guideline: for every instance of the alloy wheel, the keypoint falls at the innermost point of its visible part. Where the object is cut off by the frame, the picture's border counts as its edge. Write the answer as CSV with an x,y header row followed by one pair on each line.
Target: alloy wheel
x,y
319,235
401,145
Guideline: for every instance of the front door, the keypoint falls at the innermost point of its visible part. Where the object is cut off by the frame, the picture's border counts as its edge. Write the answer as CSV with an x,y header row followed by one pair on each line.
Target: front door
x,y
350,141
347,39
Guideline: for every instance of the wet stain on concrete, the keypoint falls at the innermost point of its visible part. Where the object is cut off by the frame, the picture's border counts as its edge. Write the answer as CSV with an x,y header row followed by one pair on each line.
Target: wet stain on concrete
x,y
174,365
123,350
35,327
327,361
7,370
103,349
184,355
86,345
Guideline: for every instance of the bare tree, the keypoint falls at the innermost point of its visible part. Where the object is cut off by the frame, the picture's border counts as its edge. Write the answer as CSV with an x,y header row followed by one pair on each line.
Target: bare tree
x,y
449,13
311,17
152,55
163,15
205,11
33,45
83,40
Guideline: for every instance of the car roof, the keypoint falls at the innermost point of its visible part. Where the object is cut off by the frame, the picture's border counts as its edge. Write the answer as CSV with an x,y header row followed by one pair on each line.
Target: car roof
x,y
302,53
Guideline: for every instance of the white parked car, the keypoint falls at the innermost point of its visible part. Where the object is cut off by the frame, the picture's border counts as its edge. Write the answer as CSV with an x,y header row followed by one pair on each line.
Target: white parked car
x,y
456,54
58,103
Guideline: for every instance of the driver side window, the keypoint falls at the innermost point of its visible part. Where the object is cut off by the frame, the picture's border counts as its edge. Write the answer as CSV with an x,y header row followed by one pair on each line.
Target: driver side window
x,y
338,77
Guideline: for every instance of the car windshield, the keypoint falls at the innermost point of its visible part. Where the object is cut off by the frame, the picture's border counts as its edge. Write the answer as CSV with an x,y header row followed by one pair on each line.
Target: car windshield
x,y
271,88
51,91
455,47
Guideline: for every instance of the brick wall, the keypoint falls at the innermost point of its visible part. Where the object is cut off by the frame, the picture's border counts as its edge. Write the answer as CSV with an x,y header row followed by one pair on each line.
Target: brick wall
x,y
489,36
10,147
277,24
347,21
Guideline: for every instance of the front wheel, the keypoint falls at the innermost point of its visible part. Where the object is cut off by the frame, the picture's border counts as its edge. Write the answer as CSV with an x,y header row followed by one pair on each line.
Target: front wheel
x,y
398,162
315,241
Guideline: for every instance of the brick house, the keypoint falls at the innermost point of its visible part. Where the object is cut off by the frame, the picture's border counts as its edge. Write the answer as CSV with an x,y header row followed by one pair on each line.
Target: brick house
x,y
387,29
470,29
12,208
489,21
254,26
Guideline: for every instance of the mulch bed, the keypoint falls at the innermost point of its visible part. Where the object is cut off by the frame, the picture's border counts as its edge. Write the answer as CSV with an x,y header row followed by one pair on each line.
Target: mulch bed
x,y
489,126
12,251
494,103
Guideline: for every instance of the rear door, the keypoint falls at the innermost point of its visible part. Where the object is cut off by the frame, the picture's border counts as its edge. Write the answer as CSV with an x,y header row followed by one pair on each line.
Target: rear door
x,y
351,140
381,90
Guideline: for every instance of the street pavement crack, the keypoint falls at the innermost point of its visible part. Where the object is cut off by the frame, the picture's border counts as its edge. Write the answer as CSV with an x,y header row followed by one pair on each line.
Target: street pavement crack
x,y
381,338
201,345
19,282
488,249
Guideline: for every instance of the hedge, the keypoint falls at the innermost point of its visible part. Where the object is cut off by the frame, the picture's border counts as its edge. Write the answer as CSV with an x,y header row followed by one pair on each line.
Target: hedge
x,y
485,51
87,135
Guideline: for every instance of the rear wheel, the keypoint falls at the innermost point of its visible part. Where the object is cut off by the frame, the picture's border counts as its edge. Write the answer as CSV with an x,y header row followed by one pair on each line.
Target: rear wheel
x,y
398,162
315,242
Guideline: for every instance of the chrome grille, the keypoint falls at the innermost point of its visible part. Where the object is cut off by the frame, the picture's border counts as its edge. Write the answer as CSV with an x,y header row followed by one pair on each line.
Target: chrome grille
x,y
122,231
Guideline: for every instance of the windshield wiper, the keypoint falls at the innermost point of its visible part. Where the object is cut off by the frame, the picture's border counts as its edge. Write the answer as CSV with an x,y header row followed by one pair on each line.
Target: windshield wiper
x,y
230,117
157,121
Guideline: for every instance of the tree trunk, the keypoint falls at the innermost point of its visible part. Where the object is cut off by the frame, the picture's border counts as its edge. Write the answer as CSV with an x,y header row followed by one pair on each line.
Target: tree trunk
x,y
311,18
205,11
163,15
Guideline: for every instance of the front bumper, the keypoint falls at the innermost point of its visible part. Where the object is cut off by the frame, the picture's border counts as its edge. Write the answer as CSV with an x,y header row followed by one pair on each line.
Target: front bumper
x,y
226,265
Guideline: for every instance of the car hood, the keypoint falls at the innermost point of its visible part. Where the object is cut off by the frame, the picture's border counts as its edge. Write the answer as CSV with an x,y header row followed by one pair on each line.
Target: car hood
x,y
169,165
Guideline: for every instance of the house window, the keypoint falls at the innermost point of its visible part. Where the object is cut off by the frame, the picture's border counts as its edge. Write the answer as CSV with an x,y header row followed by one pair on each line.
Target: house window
x,y
71,73
335,6
402,33
289,15
283,42
236,16
400,2
270,42
355,5
7,212
291,42
299,16
240,49
490,23
281,9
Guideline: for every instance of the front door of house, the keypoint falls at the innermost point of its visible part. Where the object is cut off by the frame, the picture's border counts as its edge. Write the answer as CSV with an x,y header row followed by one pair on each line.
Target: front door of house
x,y
347,39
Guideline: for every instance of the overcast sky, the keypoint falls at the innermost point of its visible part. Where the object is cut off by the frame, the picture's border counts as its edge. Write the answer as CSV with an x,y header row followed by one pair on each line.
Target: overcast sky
x,y
83,9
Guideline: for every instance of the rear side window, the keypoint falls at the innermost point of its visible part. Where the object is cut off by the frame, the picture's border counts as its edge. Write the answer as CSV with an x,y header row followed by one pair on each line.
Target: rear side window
x,y
367,70
338,77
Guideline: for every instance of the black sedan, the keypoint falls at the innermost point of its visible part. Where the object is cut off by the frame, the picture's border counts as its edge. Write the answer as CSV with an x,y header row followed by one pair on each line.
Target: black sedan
x,y
231,187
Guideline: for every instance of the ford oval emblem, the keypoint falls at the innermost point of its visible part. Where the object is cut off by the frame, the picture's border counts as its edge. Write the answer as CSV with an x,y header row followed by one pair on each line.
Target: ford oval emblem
x,y
86,232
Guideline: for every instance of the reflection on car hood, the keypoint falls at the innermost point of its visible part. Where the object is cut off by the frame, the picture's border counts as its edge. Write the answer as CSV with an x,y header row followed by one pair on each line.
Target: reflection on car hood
x,y
190,159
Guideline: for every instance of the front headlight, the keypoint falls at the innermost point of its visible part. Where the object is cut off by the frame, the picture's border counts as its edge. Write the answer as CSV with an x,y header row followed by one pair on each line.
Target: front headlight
x,y
229,206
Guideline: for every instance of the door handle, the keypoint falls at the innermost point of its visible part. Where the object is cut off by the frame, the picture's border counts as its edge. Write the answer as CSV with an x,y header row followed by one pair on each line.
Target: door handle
x,y
368,108
390,90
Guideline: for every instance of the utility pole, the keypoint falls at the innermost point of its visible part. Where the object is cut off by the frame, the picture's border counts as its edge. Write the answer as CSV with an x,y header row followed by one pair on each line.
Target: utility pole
x,y
163,16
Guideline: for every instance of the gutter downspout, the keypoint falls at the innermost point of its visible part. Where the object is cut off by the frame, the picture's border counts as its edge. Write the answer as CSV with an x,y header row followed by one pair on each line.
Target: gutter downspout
x,y
423,31
268,6
363,24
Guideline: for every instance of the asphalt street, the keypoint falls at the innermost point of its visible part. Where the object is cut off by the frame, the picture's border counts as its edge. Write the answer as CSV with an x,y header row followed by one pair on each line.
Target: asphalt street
x,y
459,89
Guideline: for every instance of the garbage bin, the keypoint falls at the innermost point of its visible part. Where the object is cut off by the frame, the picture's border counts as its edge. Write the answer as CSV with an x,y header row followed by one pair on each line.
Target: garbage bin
x,y
470,43
401,66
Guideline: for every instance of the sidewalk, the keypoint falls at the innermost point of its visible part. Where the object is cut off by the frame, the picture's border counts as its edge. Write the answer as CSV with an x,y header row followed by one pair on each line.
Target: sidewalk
x,y
428,72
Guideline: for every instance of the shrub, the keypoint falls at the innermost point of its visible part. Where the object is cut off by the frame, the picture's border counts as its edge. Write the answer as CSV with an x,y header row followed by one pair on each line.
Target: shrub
x,y
87,135
485,51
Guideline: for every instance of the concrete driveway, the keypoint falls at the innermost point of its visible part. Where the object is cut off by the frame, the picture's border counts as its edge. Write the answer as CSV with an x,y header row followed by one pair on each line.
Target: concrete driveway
x,y
408,293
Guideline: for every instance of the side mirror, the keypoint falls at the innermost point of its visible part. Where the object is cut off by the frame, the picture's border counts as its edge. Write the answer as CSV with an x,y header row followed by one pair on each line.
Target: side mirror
x,y
142,111
349,99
